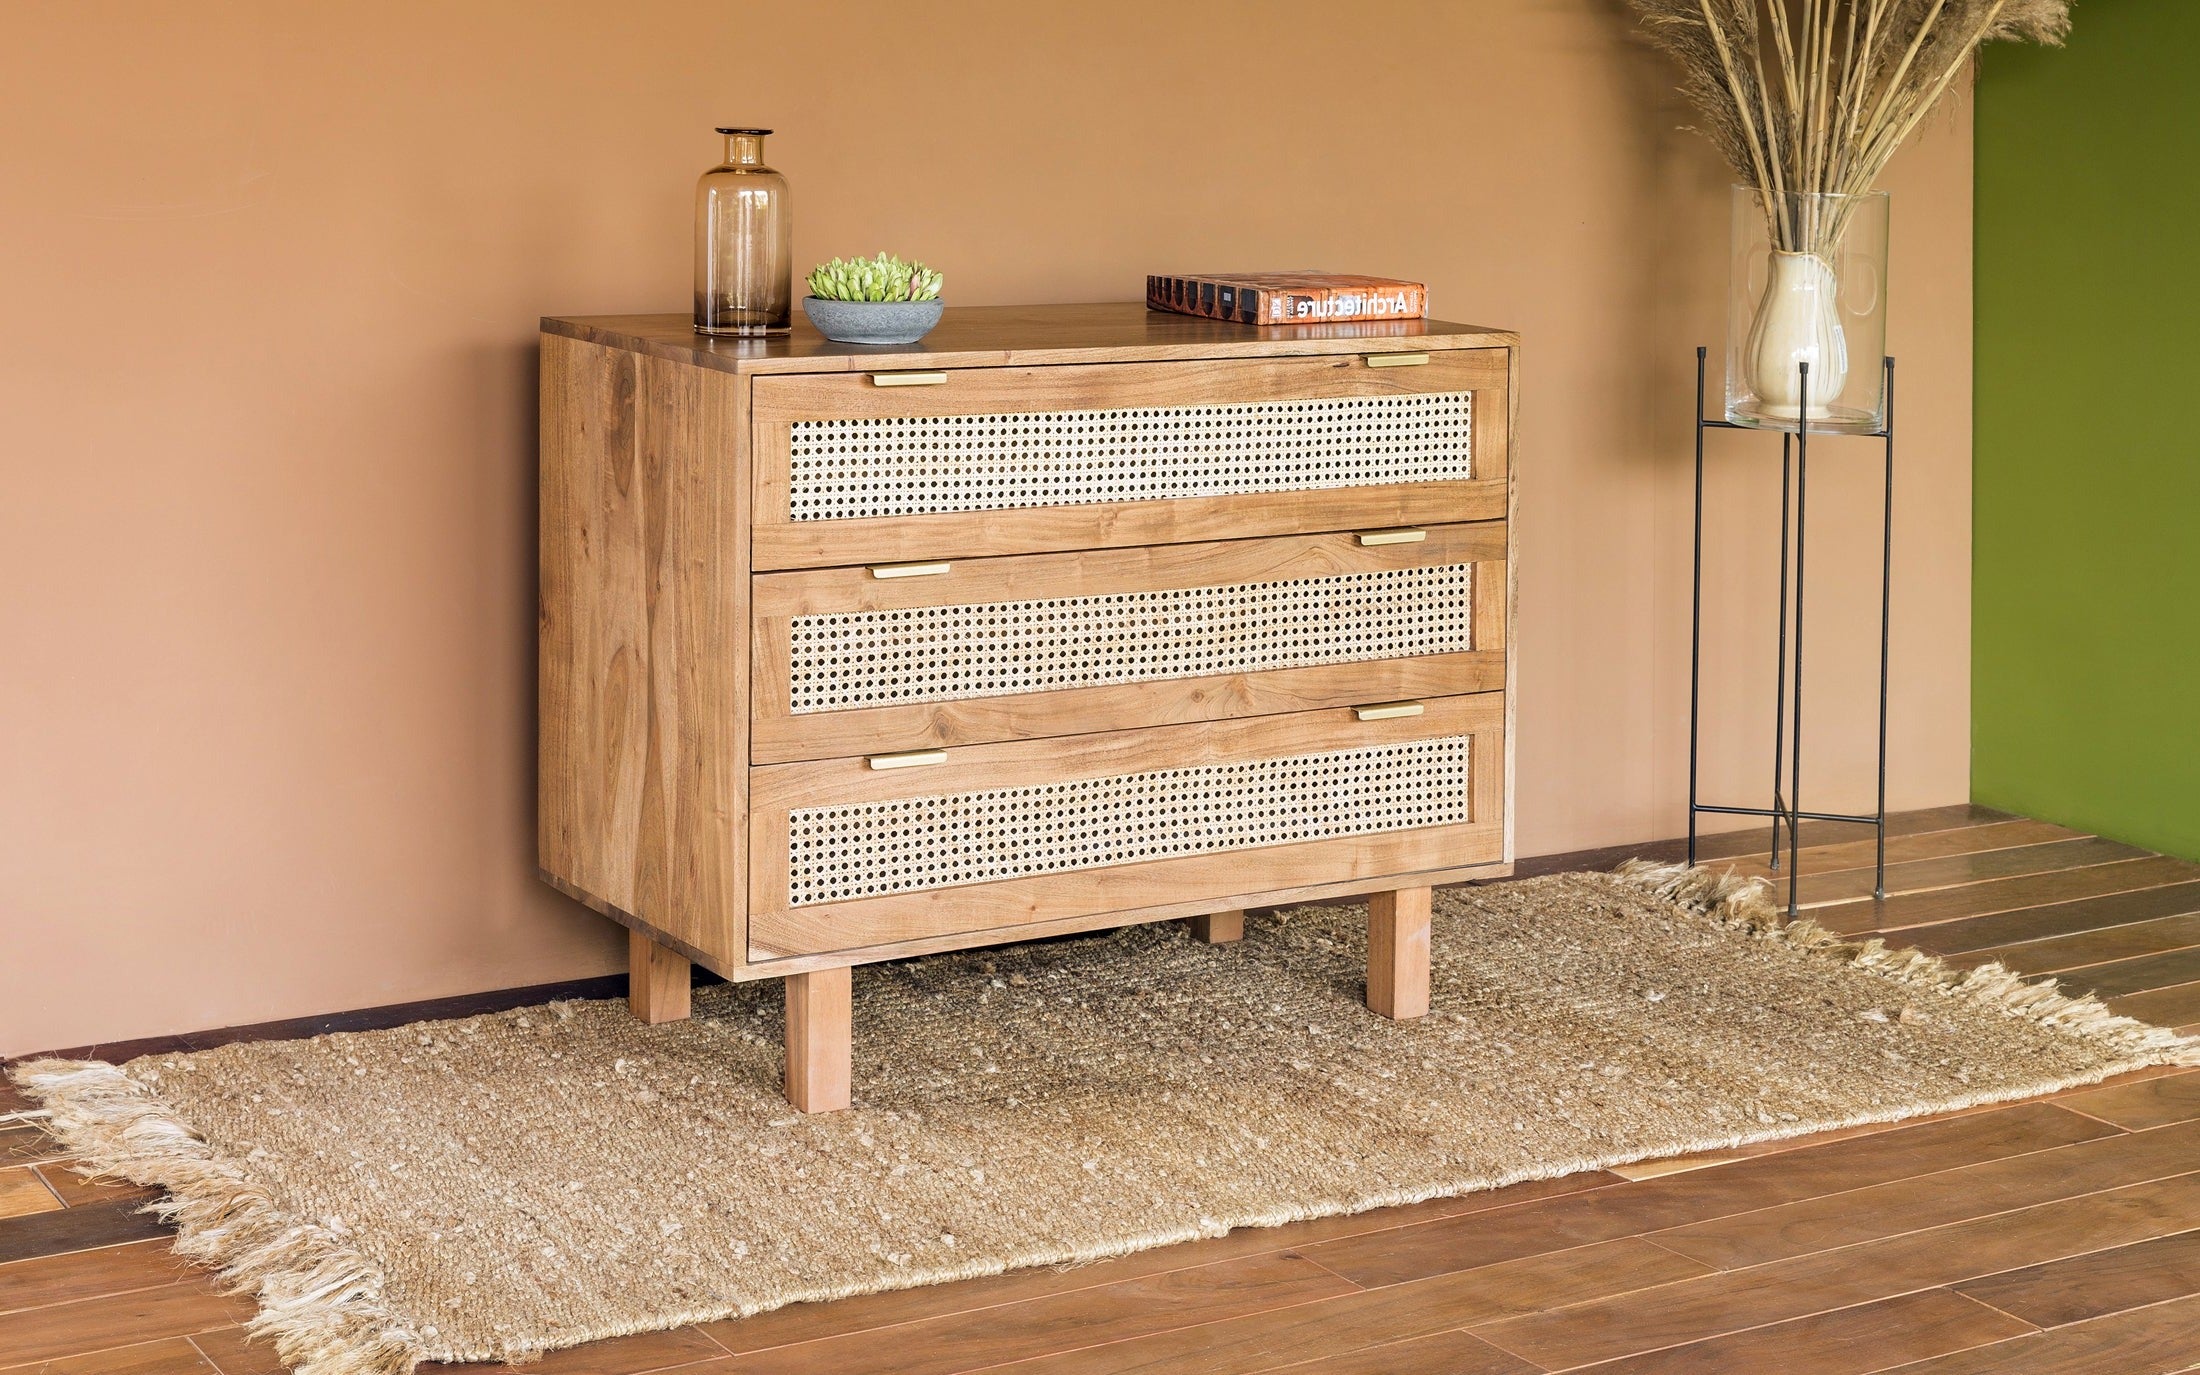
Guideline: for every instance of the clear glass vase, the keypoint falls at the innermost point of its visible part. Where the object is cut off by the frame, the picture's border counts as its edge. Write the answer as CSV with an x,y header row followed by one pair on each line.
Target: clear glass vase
x,y
1807,284
744,260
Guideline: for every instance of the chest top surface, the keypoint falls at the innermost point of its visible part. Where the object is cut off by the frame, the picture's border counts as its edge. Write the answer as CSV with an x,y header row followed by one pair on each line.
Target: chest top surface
x,y
993,336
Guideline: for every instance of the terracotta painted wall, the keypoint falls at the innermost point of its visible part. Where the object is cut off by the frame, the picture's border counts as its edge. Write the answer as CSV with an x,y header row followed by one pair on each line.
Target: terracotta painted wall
x,y
268,379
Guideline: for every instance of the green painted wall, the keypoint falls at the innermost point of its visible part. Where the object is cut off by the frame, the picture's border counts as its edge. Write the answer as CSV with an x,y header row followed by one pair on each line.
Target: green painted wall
x,y
2086,576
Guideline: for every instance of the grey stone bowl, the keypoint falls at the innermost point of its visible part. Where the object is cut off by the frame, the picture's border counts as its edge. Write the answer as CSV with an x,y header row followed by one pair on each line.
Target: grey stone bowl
x,y
872,322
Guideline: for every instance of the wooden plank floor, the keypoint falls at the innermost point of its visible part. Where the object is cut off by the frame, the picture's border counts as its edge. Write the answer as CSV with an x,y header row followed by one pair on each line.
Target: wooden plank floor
x,y
2060,1235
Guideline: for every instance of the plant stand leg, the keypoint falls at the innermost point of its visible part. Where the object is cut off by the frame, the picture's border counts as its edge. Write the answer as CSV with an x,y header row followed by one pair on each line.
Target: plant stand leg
x,y
1219,928
1397,953
819,1033
656,981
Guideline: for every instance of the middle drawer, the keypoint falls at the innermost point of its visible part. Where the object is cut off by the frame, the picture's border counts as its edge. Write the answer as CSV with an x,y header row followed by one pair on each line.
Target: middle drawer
x,y
850,661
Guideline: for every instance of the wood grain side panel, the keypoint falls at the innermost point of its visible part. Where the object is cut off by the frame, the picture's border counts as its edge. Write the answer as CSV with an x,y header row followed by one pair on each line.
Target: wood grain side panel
x,y
643,639
1512,595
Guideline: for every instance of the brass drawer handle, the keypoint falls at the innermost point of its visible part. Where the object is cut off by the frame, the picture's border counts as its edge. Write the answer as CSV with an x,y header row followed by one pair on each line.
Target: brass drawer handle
x,y
917,379
1395,360
1388,711
911,759
1370,538
883,571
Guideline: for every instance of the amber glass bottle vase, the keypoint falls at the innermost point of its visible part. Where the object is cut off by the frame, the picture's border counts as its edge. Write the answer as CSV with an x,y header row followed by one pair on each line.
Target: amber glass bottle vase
x,y
744,269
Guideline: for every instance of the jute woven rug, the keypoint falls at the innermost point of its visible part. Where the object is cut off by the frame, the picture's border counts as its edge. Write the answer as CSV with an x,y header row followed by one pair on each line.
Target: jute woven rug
x,y
502,1185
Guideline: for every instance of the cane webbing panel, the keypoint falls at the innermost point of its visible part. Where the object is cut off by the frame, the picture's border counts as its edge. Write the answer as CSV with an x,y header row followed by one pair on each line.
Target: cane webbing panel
x,y
920,465
946,653
905,845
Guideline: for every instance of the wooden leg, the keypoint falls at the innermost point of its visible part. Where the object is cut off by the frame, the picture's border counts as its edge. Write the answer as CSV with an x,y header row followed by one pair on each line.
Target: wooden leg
x,y
1219,928
818,1031
656,981
1397,953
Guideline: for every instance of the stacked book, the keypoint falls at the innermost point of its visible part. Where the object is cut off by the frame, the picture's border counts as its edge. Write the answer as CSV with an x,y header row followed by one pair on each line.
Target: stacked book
x,y
1287,298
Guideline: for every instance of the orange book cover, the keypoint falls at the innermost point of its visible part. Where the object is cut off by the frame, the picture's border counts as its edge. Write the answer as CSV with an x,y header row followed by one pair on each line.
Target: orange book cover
x,y
1286,298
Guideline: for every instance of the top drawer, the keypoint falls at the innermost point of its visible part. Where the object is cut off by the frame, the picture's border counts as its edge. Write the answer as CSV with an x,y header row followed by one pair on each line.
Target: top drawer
x,y
884,467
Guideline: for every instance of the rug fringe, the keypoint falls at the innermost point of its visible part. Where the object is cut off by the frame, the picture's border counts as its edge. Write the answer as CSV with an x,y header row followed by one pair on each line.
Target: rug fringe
x,y
1746,903
321,1300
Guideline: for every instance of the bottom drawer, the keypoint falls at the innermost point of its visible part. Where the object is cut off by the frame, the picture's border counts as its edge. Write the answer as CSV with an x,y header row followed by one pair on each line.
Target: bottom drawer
x,y
855,853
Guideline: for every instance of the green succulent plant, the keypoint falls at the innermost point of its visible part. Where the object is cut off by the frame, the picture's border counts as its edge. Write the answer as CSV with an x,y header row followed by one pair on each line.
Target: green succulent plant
x,y
884,278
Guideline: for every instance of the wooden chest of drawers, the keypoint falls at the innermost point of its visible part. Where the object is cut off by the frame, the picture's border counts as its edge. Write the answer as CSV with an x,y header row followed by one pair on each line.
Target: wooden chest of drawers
x,y
1066,618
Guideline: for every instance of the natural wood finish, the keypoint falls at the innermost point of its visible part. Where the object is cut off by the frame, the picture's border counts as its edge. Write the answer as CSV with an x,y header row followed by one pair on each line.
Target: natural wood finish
x,y
1020,908
1397,953
1445,1353
2142,973
1420,1272
782,542
2158,892
1861,855
1821,1282
811,1322
1117,385
644,639
74,1229
1219,928
173,1310
2146,1341
779,735
165,1356
819,1039
22,1191
1022,763
232,1352
1961,816
968,1341
643,1351
663,689
1179,520
1871,1213
1852,1341
77,1190
1162,701
2096,868
1654,1207
2088,1286
2142,1105
778,928
1496,422
1014,336
1936,876
657,981
1334,889
2177,1008
2082,949
91,1273
1352,1322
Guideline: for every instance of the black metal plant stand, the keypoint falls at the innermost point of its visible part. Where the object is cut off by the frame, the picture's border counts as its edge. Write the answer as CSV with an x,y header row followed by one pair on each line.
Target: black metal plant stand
x,y
1787,715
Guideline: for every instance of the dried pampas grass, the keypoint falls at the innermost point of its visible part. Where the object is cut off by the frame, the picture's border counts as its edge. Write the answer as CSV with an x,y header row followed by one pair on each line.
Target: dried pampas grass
x,y
1809,98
